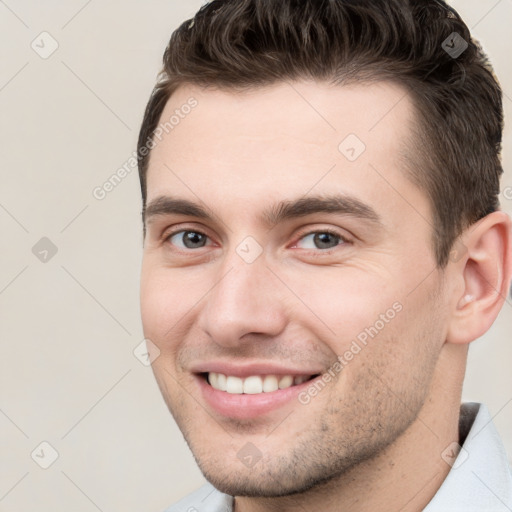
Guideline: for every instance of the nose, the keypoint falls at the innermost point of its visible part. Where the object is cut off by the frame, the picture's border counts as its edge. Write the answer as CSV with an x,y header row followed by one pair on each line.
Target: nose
x,y
245,301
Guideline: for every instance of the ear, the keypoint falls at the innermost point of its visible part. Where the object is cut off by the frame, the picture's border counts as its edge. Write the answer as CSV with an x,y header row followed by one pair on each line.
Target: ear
x,y
483,277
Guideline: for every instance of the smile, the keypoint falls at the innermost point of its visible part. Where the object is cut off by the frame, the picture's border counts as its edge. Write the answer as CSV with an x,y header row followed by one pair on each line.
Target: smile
x,y
254,384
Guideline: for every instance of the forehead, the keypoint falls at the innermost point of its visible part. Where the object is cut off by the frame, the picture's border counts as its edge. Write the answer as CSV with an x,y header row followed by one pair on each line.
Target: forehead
x,y
283,141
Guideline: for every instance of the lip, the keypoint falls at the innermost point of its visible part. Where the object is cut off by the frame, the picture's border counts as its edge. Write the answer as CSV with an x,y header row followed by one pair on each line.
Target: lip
x,y
246,406
243,370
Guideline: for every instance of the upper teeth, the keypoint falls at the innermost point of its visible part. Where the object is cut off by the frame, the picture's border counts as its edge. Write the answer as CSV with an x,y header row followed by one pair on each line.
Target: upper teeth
x,y
253,384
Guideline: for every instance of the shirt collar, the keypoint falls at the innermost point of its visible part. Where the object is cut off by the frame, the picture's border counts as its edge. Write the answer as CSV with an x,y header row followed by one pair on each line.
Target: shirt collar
x,y
480,477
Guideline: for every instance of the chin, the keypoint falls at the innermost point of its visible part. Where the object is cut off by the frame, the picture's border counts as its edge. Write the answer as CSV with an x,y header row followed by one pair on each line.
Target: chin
x,y
271,477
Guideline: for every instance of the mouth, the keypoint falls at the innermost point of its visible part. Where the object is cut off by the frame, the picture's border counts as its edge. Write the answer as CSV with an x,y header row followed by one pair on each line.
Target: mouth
x,y
254,384
254,396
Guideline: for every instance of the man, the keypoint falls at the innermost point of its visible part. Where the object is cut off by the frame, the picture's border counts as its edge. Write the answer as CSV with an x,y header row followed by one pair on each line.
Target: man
x,y
323,240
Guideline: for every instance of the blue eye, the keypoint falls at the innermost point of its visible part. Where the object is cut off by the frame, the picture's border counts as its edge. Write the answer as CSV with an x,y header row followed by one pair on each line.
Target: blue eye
x,y
188,239
320,240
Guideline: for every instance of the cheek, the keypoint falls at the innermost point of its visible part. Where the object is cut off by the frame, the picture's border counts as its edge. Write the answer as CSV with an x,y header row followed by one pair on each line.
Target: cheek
x,y
403,353
346,304
163,303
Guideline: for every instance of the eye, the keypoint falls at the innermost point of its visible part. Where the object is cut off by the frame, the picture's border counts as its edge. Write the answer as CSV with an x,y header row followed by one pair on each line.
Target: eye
x,y
320,240
188,239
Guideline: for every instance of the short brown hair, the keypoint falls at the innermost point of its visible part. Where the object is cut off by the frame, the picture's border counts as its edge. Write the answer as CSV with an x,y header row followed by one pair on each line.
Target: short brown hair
x,y
245,44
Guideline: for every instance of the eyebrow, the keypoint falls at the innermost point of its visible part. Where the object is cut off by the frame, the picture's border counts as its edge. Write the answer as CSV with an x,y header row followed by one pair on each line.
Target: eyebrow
x,y
339,204
284,210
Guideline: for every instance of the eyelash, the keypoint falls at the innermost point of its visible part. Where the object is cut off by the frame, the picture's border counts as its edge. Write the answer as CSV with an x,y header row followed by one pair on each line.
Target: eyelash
x,y
343,239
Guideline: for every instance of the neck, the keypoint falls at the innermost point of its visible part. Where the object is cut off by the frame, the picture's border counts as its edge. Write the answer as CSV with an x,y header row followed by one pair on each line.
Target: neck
x,y
407,474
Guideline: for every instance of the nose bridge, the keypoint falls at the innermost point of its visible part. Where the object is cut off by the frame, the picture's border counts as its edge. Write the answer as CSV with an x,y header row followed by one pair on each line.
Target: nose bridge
x,y
243,300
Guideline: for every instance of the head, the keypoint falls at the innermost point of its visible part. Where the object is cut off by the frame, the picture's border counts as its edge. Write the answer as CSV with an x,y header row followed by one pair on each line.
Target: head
x,y
323,210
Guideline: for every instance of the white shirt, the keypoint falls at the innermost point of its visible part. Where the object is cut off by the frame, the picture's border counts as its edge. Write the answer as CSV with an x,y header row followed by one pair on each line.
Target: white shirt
x,y
480,479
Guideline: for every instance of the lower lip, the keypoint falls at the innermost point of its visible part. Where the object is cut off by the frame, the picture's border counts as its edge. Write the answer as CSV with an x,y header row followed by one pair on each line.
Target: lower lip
x,y
246,406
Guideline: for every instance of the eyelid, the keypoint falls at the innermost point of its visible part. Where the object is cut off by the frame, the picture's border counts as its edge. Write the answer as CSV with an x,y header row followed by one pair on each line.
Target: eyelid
x,y
332,231
174,230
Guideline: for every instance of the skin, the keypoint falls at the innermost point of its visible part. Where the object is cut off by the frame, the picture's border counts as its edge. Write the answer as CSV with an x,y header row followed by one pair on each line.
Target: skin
x,y
376,432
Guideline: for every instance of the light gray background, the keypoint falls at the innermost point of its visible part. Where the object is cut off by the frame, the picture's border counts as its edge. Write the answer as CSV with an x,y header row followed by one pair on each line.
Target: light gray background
x,y
69,326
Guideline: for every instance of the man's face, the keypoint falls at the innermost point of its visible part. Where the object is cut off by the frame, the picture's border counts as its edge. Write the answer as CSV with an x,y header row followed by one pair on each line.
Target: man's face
x,y
268,283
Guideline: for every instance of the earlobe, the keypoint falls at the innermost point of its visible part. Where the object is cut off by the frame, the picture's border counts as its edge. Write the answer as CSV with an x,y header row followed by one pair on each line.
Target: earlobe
x,y
486,271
